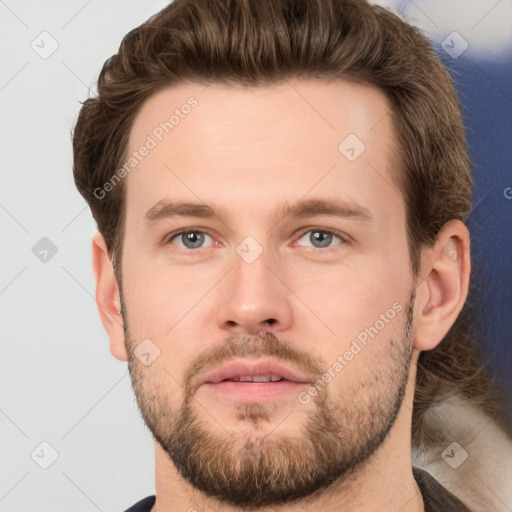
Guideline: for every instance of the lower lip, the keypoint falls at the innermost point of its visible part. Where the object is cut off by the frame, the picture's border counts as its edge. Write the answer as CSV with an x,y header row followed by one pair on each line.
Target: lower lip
x,y
256,391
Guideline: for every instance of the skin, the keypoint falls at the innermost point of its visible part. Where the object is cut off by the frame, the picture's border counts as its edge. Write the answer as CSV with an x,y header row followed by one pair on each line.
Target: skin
x,y
245,151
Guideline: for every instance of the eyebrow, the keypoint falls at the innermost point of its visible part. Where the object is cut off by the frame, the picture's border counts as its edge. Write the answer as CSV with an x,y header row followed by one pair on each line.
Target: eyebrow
x,y
303,208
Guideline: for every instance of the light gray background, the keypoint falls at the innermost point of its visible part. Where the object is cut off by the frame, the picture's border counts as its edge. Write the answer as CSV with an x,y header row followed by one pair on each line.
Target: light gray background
x,y
58,381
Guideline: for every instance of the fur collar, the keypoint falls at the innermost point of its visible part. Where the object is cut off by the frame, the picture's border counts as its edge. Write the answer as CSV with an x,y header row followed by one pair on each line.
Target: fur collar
x,y
473,458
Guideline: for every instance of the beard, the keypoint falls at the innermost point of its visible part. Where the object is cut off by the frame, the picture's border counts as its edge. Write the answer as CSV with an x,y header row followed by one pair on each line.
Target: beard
x,y
251,471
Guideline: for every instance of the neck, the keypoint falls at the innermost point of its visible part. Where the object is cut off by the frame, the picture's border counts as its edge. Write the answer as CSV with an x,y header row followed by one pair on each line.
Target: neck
x,y
385,482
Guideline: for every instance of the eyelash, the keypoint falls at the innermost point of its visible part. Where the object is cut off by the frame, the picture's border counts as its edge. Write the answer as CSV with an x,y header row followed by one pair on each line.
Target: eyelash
x,y
344,239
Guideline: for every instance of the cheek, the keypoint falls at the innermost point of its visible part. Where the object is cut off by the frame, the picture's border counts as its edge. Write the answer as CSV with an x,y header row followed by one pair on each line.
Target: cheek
x,y
169,307
354,300
158,297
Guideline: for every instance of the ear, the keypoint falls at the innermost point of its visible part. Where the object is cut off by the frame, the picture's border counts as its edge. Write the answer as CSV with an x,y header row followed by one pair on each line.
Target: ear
x,y
107,297
443,290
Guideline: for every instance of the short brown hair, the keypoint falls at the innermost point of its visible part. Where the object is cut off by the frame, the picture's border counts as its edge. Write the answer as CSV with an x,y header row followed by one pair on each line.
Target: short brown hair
x,y
259,42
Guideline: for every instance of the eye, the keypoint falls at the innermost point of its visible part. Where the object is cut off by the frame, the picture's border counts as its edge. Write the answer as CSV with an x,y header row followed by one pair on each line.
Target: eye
x,y
189,239
320,238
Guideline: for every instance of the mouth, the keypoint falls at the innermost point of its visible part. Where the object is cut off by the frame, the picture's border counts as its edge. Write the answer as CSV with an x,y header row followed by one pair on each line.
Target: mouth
x,y
254,381
257,378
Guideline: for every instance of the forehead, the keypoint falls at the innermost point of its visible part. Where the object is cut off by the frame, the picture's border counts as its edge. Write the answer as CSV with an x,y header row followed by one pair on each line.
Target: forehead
x,y
229,145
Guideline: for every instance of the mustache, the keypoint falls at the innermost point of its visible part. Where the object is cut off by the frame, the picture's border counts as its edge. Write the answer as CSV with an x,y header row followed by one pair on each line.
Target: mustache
x,y
242,345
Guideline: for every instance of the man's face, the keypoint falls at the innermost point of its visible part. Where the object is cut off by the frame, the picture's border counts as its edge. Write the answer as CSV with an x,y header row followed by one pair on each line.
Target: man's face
x,y
320,300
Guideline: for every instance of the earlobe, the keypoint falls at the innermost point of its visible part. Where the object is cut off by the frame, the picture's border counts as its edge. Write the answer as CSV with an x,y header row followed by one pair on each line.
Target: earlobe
x,y
108,298
443,292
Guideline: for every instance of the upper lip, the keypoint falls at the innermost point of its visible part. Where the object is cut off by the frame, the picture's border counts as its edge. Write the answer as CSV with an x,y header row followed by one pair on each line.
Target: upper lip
x,y
245,368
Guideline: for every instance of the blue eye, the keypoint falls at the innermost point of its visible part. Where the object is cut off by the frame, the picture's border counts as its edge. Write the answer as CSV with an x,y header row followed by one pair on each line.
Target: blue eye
x,y
320,238
190,239
316,238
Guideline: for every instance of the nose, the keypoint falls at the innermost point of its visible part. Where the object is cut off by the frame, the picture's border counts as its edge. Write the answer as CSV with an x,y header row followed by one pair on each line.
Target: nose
x,y
254,298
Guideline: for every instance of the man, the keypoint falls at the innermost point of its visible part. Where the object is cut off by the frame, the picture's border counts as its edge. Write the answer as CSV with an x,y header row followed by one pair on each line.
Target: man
x,y
280,189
